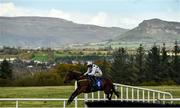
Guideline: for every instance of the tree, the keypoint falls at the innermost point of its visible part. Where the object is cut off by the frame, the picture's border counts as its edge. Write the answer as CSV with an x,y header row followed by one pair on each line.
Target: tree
x,y
165,65
132,70
153,64
105,67
62,69
6,70
140,62
176,63
120,72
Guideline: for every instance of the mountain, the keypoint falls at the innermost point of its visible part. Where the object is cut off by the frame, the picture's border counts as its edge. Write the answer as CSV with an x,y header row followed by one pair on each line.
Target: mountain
x,y
153,30
36,32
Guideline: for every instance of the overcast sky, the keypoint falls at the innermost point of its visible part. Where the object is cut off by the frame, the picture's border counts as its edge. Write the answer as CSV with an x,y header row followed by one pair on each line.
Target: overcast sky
x,y
109,13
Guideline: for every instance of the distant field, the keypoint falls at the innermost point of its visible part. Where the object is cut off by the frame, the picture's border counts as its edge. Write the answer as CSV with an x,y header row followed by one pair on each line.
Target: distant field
x,y
41,57
55,92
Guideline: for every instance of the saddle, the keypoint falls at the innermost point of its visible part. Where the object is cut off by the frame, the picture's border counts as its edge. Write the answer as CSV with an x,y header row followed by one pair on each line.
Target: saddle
x,y
96,83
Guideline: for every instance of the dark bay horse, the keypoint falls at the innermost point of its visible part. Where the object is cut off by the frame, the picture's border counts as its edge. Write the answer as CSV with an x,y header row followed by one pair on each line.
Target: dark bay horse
x,y
84,85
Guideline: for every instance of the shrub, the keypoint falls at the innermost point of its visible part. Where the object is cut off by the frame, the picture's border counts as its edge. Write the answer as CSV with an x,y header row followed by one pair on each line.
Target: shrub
x,y
150,83
168,82
40,79
4,82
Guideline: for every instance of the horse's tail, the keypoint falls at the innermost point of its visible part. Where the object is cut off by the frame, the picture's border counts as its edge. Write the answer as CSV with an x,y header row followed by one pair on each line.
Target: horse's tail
x,y
116,92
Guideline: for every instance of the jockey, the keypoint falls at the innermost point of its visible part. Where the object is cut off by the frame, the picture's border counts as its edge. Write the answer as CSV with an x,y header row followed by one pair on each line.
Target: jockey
x,y
92,72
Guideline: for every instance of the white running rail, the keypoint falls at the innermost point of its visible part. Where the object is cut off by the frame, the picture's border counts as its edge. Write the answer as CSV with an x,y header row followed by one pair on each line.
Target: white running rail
x,y
133,93
34,99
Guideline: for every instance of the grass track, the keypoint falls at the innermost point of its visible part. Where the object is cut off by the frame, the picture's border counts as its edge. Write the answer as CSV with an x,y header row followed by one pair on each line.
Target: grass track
x,y
55,92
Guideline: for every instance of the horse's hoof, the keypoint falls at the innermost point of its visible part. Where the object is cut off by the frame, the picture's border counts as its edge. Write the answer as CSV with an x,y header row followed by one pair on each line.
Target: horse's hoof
x,y
68,102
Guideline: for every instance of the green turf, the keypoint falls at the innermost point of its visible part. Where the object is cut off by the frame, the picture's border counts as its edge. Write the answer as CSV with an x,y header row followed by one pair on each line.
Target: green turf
x,y
43,57
56,92
174,90
35,92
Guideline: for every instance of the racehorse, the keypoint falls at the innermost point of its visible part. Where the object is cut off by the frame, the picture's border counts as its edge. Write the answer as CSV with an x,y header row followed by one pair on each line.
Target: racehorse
x,y
84,85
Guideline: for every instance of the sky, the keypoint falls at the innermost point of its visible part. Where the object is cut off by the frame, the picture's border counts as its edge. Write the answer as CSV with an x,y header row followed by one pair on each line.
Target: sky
x,y
109,13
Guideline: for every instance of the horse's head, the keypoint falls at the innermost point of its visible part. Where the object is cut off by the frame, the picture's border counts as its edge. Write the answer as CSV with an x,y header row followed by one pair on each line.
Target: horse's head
x,y
71,75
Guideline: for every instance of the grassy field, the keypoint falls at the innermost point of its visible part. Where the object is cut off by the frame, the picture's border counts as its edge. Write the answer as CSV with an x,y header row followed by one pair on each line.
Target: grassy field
x,y
43,57
35,92
55,92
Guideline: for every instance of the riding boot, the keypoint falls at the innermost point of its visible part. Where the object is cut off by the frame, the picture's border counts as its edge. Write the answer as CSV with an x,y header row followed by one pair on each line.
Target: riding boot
x,y
93,80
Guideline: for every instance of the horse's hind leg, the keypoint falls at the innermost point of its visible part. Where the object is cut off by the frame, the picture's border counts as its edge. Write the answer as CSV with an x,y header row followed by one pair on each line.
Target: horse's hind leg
x,y
109,96
108,93
116,92
111,93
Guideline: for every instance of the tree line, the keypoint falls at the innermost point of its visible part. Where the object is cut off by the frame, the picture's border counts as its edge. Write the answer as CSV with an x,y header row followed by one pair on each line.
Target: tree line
x,y
156,66
152,67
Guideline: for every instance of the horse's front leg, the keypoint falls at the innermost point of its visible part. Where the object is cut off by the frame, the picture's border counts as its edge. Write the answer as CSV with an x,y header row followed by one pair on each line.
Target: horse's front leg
x,y
75,93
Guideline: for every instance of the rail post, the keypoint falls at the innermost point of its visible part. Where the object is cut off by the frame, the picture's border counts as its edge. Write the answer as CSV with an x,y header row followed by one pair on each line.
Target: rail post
x,y
64,104
17,104
76,100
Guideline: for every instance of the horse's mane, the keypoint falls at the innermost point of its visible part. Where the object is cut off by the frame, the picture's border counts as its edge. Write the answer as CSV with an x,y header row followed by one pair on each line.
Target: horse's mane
x,y
75,72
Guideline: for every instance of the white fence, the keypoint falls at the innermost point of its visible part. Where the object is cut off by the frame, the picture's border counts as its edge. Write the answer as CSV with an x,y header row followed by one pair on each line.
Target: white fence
x,y
34,99
133,93
127,93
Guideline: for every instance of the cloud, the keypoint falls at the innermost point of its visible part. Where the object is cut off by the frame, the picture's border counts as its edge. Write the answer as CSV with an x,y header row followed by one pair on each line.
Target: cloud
x,y
124,20
99,19
59,14
9,9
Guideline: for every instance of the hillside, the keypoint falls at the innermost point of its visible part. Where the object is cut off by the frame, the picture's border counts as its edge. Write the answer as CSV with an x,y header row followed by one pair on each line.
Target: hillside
x,y
33,32
153,30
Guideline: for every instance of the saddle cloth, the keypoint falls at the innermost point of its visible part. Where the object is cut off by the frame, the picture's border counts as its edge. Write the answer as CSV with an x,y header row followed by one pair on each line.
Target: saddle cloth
x,y
96,83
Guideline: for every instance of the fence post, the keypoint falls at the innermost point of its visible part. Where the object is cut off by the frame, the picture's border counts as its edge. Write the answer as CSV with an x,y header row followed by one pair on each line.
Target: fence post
x,y
138,95
104,96
92,96
121,93
85,99
148,96
132,94
76,101
17,104
164,97
159,96
143,96
64,104
154,97
116,88
127,97
98,95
